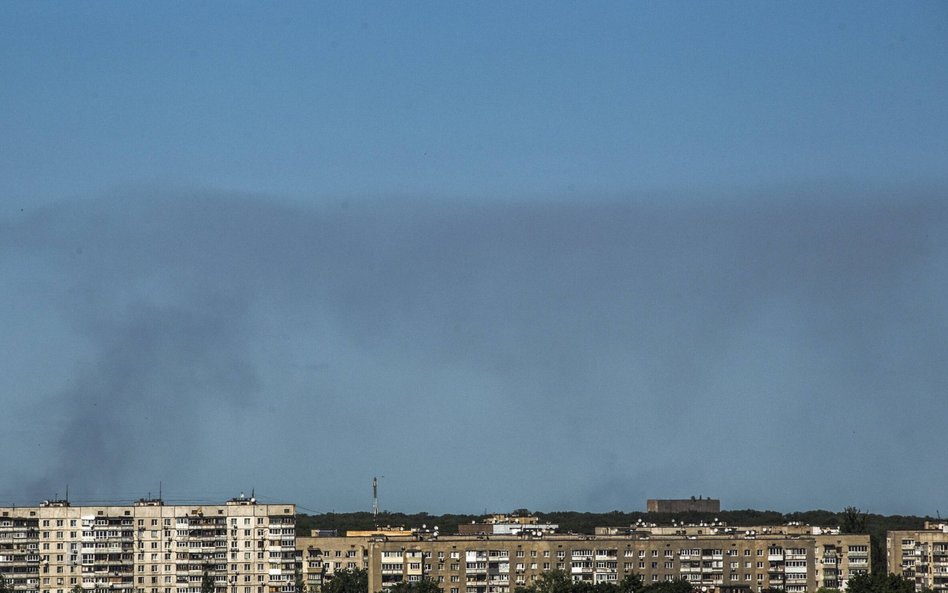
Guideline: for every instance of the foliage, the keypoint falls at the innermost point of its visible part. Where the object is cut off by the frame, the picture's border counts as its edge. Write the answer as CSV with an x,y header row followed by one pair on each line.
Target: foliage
x,y
675,586
853,520
347,581
5,587
298,584
207,582
425,585
558,581
827,590
553,581
879,583
630,583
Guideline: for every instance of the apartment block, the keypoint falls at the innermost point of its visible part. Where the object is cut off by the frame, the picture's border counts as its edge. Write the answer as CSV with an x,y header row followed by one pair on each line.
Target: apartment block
x,y
149,547
920,555
797,559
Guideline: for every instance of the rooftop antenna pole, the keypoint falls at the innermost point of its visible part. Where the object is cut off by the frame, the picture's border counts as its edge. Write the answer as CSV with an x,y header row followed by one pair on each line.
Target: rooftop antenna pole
x,y
67,492
159,489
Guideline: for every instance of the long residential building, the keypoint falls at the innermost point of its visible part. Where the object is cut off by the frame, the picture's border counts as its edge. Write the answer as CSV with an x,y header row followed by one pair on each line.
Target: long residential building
x,y
716,559
149,547
920,555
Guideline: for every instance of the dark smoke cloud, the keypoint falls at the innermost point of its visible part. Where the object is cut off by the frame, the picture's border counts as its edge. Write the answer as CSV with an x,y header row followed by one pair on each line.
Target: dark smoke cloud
x,y
770,351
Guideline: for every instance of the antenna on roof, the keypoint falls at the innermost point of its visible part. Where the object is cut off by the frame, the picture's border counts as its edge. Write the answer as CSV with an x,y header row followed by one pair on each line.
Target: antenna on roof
x,y
159,489
67,493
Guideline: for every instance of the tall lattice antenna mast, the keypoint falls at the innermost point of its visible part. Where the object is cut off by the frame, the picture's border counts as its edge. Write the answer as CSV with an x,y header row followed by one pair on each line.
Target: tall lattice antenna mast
x,y
375,499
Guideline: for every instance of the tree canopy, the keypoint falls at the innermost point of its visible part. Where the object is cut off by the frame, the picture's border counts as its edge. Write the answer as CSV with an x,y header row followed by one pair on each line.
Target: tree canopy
x,y
558,581
207,582
880,583
347,581
425,585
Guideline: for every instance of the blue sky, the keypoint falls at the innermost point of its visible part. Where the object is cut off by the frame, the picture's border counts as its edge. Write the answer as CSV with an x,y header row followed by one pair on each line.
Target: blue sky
x,y
553,255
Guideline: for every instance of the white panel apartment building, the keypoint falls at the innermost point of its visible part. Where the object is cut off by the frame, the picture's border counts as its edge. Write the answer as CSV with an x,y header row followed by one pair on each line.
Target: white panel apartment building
x,y
149,547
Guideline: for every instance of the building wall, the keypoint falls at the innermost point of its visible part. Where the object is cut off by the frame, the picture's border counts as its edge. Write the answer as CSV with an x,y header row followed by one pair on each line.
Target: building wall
x,y
920,555
149,548
497,564
684,505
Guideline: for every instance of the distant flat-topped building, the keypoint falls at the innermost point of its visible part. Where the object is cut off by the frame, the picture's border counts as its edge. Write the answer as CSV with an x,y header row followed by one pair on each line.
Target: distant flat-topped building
x,y
683,505
508,525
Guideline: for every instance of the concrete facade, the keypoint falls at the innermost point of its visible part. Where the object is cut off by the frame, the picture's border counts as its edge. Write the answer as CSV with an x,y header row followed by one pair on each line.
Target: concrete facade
x,y
797,560
920,555
149,547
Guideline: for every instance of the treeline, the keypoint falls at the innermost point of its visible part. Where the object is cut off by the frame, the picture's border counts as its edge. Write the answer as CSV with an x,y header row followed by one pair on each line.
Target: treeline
x,y
849,520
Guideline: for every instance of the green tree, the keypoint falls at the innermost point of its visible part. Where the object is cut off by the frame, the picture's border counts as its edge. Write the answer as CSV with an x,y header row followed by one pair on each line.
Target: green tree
x,y
853,520
76,589
425,585
675,586
347,581
5,587
630,583
879,583
553,581
207,582
298,583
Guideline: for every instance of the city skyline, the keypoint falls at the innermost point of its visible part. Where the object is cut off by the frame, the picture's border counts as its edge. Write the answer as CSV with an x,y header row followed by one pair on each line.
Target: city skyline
x,y
569,257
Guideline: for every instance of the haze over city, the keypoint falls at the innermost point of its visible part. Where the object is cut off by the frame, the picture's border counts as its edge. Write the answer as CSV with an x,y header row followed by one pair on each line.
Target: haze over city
x,y
558,256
